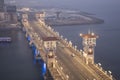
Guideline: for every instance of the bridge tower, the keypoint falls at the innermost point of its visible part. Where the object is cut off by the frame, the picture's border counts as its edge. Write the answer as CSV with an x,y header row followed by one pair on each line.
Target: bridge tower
x,y
50,49
24,17
89,43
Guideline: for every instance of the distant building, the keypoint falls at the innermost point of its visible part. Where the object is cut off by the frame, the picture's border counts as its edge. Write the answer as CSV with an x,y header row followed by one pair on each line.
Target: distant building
x,y
10,8
40,16
24,9
1,10
10,13
1,5
2,17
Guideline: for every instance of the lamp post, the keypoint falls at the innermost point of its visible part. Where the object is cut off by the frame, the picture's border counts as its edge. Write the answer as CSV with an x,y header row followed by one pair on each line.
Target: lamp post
x,y
99,65
110,73
75,47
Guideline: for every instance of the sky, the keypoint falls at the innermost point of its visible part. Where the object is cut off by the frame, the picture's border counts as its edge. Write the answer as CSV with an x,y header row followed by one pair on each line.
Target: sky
x,y
68,4
65,2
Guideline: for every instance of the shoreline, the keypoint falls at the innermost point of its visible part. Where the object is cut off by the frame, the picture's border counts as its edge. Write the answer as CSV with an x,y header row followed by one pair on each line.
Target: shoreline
x,y
54,23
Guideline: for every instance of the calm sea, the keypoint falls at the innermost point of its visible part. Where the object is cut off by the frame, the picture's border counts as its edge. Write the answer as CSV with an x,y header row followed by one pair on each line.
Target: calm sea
x,y
16,58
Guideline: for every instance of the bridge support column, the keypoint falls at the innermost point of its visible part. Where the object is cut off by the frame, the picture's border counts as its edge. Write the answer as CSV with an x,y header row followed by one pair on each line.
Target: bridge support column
x,y
37,55
26,35
23,29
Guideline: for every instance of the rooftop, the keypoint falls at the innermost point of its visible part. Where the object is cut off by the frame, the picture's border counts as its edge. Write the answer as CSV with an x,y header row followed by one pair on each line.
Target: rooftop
x,y
50,38
89,35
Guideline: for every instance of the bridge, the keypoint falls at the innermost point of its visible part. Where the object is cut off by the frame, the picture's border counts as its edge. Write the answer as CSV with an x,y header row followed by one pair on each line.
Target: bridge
x,y
63,60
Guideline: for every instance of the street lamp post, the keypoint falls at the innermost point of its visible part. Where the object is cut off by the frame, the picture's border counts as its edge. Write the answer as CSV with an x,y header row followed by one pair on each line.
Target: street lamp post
x,y
110,73
99,65
75,47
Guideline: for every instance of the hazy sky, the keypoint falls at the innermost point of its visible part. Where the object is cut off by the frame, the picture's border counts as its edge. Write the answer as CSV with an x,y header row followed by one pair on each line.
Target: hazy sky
x,y
68,3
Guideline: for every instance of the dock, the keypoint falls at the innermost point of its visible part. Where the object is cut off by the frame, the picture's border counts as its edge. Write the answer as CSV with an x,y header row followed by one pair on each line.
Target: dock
x,y
5,39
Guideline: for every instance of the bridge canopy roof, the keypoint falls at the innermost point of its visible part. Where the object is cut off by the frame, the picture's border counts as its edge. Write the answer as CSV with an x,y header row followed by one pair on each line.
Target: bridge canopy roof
x,y
91,35
50,38
40,12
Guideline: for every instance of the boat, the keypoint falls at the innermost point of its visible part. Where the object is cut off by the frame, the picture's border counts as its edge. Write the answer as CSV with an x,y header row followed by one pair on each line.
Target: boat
x,y
5,39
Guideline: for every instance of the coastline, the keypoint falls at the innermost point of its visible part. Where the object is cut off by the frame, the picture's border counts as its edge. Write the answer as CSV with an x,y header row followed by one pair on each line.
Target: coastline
x,y
74,23
69,22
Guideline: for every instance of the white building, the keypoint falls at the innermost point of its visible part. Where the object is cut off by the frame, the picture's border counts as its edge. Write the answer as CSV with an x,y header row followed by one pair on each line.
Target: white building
x,y
89,43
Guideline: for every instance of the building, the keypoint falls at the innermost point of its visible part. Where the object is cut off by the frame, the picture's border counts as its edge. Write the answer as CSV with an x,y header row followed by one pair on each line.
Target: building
x,y
1,10
2,17
50,45
10,13
89,43
40,16
10,8
1,5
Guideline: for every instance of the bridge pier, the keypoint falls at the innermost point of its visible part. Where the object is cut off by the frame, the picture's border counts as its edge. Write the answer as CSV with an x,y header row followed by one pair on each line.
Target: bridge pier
x,y
23,29
37,54
30,43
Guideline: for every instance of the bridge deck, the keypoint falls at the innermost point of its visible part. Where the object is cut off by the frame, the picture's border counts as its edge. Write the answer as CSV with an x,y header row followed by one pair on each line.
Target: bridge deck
x,y
73,67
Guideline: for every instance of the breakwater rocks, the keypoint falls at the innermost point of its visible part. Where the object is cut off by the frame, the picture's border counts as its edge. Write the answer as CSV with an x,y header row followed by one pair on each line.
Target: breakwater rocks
x,y
62,22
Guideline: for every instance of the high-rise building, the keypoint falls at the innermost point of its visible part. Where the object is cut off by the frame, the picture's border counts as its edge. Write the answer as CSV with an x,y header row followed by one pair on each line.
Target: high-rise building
x,y
1,5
